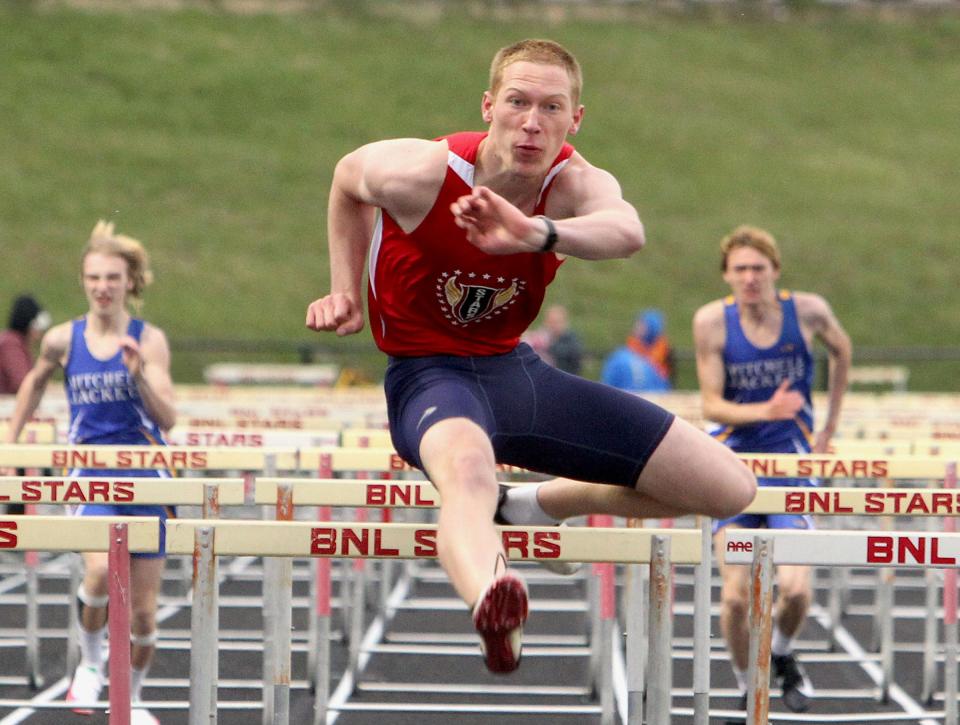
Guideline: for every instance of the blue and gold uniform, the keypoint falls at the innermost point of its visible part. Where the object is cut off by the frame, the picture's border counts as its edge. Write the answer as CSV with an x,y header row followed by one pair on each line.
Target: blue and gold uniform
x,y
752,375
106,409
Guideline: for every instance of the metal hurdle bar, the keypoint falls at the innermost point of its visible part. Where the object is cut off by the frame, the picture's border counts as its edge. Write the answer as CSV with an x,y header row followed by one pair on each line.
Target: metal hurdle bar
x,y
875,463
413,541
864,466
856,501
66,491
118,457
762,549
116,535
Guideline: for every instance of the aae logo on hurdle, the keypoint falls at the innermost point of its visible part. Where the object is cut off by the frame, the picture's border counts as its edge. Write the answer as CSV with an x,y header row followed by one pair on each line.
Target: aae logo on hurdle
x,y
846,548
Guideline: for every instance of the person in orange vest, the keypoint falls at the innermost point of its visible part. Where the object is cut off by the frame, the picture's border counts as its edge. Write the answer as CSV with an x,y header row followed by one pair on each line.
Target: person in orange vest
x,y
646,362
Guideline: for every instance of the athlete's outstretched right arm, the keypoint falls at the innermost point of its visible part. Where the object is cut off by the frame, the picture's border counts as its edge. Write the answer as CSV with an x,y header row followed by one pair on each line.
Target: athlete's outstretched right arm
x,y
401,176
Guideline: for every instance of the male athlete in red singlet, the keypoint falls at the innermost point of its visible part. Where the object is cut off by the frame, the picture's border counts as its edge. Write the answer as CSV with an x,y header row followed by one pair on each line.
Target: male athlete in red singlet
x,y
469,230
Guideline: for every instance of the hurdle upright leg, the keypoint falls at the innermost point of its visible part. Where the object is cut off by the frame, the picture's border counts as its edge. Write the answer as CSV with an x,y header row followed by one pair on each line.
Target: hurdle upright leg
x,y
636,644
31,561
119,625
660,664
203,631
950,618
932,579
761,626
701,626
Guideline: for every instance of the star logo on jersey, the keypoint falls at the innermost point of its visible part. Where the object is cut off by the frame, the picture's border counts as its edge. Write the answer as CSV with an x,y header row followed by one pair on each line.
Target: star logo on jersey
x,y
472,297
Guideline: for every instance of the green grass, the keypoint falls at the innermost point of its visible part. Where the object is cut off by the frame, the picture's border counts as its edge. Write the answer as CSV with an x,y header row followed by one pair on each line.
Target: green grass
x,y
212,137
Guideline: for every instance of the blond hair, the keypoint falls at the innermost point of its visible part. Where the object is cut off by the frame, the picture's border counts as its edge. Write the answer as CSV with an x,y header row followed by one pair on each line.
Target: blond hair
x,y
537,51
103,240
753,237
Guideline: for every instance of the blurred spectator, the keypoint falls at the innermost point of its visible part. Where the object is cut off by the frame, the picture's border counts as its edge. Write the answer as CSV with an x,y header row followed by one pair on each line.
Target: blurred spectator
x,y
28,322
645,362
555,342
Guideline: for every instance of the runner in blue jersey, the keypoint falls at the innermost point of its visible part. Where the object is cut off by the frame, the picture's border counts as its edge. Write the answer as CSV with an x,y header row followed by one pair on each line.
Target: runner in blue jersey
x,y
755,369
117,379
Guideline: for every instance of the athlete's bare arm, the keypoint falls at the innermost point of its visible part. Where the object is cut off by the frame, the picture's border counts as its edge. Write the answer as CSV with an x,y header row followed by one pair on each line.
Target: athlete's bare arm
x,y
148,362
401,176
816,316
592,219
53,350
709,337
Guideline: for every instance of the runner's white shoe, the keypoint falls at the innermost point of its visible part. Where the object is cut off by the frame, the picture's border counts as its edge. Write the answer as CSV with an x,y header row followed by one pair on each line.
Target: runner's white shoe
x,y
85,688
563,568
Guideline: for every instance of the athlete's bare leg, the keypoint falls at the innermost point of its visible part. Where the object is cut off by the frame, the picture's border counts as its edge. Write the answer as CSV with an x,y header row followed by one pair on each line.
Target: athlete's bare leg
x,y
689,472
458,457
793,598
95,573
145,577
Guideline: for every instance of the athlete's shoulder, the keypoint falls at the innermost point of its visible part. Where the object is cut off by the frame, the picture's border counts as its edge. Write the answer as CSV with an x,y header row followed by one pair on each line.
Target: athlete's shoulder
x,y
56,341
810,303
578,187
153,335
708,323
711,311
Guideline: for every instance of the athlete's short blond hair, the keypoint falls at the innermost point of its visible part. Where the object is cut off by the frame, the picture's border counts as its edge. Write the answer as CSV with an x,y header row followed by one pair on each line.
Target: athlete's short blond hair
x,y
104,240
533,50
753,237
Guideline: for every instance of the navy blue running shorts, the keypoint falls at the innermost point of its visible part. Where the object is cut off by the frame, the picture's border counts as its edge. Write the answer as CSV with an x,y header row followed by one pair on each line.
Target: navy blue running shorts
x,y
538,418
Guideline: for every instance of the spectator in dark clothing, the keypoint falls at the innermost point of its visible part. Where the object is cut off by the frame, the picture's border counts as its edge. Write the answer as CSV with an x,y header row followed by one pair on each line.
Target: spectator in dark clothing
x,y
555,342
28,321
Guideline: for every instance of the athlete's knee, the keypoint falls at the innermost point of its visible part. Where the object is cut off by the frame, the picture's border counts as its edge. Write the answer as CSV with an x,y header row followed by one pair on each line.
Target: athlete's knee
x,y
86,600
143,637
738,490
794,596
472,469
735,603
143,620
95,575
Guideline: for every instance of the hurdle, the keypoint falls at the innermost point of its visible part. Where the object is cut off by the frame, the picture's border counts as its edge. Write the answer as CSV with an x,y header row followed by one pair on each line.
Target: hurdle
x,y
762,549
855,501
359,493
189,460
208,493
118,536
416,541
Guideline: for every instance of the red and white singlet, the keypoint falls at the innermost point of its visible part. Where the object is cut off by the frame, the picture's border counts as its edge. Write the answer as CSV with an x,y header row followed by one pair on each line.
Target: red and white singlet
x,y
431,292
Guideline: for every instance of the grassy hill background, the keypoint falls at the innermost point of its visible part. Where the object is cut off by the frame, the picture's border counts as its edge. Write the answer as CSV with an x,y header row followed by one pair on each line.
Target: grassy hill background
x,y
212,136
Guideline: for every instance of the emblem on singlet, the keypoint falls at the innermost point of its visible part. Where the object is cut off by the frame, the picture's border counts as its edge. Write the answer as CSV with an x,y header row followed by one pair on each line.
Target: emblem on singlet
x,y
466,298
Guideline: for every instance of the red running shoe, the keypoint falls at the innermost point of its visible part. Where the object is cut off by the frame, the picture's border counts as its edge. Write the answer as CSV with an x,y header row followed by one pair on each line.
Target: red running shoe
x,y
498,616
